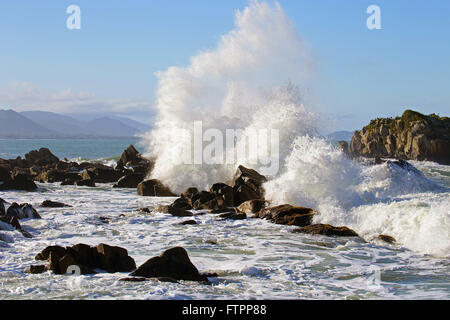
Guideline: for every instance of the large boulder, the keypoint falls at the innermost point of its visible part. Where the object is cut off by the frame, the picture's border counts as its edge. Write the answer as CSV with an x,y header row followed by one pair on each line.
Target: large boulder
x,y
41,157
287,215
247,185
173,263
412,136
154,188
327,230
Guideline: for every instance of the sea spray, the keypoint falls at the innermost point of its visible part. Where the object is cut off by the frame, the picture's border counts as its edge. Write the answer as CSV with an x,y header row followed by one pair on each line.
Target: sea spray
x,y
246,83
256,79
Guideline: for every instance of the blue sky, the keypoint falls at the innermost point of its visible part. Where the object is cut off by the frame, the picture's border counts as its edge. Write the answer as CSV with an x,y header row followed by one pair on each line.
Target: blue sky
x,y
111,61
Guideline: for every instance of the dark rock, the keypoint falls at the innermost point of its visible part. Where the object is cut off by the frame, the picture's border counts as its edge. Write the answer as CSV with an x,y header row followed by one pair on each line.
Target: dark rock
x,y
412,136
54,204
15,211
189,193
29,211
252,206
133,279
188,222
179,208
114,259
132,158
173,263
14,222
5,174
225,192
327,230
287,215
41,157
102,174
58,252
35,269
247,185
55,175
233,216
85,183
386,238
19,181
154,188
2,207
129,181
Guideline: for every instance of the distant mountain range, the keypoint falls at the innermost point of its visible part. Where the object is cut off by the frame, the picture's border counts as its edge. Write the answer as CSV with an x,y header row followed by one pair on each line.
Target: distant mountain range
x,y
49,125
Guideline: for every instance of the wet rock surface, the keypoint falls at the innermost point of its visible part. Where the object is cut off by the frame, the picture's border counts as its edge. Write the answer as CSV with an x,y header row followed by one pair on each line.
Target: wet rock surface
x,y
173,263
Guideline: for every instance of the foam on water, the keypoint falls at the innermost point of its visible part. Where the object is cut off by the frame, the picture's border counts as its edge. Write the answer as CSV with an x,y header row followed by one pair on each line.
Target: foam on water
x,y
254,259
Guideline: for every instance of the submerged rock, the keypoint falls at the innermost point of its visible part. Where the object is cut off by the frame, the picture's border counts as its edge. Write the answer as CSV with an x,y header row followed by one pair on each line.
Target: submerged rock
x,y
288,215
53,204
154,188
173,263
35,269
327,230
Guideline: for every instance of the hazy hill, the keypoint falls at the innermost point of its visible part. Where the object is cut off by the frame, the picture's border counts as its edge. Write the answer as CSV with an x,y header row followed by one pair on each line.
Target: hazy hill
x,y
42,124
15,125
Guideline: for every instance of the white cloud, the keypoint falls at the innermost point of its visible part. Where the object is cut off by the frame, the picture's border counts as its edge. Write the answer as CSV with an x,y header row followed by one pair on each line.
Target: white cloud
x,y
22,96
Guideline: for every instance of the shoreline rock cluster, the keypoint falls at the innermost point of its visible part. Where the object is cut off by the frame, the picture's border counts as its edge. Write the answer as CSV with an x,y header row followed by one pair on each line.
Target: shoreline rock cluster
x,y
43,166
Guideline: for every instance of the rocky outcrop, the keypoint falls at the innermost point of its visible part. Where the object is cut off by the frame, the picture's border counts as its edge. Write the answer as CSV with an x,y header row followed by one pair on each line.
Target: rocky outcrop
x,y
287,215
173,263
131,158
154,188
412,136
41,157
327,230
247,185
108,258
